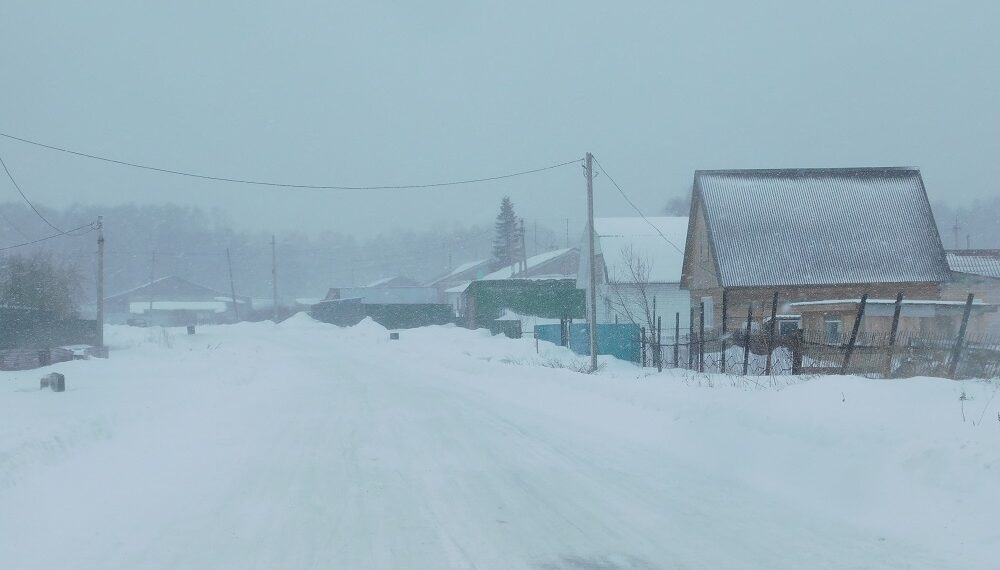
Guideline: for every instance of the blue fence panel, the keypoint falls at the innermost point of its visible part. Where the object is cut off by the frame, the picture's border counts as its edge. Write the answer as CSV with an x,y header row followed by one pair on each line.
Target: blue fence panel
x,y
549,333
618,340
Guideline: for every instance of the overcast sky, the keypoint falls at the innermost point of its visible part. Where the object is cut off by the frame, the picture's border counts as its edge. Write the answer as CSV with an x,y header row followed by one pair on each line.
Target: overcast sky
x,y
370,92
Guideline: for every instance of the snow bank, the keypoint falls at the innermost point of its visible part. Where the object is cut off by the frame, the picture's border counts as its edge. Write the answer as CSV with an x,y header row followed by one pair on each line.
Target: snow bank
x,y
306,445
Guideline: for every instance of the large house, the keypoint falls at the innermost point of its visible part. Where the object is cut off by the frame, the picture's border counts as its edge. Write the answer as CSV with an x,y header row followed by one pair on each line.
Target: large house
x,y
825,235
639,270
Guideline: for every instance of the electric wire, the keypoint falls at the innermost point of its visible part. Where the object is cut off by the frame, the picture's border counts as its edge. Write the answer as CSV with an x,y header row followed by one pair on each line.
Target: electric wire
x,y
26,200
643,216
284,184
89,227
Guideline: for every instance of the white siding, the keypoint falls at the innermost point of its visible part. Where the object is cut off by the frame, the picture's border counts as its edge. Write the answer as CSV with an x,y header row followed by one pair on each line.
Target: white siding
x,y
670,299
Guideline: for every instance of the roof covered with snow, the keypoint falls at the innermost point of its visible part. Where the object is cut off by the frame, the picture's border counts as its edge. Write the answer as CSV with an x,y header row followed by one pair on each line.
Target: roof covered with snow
x,y
397,281
555,264
820,226
985,262
658,243
172,288
462,273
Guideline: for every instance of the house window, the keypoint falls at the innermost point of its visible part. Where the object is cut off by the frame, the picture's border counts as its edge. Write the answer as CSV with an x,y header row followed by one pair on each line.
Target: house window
x,y
709,311
787,327
832,327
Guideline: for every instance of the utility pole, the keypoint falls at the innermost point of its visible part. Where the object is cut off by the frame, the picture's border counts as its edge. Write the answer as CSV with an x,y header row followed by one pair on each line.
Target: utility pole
x,y
274,279
524,249
955,228
592,300
100,281
152,277
536,237
232,286
567,229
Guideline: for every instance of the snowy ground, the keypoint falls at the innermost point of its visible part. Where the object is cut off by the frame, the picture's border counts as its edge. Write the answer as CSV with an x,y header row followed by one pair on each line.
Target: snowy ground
x,y
303,445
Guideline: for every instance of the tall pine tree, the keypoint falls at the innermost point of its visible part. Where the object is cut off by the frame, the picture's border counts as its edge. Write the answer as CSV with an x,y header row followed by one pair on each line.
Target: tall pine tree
x,y
507,241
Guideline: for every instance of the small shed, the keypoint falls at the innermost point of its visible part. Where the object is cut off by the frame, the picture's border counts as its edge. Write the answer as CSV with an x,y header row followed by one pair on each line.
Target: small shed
x,y
976,271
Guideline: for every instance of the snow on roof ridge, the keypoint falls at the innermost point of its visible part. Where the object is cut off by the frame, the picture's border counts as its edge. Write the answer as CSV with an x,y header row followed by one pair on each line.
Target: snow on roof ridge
x,y
533,261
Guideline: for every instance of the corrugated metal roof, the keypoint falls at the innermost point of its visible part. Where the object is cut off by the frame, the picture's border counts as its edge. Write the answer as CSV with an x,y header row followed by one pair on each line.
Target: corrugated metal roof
x,y
985,262
821,226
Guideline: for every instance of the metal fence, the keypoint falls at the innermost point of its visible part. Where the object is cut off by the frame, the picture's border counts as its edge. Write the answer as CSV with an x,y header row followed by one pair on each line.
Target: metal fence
x,y
757,348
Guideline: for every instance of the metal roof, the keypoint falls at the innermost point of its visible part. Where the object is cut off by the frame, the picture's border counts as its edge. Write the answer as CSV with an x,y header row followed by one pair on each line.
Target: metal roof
x,y
985,262
820,226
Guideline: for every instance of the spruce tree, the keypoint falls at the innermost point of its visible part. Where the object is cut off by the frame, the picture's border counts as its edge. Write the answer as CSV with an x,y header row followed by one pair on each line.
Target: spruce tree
x,y
507,241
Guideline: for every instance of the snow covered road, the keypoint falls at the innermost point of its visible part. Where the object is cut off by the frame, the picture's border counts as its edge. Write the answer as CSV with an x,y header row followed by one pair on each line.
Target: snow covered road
x,y
307,446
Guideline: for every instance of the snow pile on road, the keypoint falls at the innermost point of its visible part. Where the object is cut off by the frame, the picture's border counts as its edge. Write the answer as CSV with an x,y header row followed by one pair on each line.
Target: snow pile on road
x,y
305,445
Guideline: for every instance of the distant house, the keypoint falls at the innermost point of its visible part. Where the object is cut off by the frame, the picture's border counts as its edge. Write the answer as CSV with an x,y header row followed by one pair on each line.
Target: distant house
x,y
545,290
451,285
976,271
172,301
810,235
639,267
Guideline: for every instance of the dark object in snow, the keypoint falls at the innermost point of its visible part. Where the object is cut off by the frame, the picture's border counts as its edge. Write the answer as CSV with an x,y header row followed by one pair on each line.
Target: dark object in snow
x,y
55,381
394,336
190,329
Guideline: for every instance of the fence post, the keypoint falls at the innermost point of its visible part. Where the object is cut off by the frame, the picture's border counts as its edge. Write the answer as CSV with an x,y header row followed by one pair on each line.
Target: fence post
x,y
677,338
957,351
690,342
797,352
659,343
746,340
854,333
701,337
722,334
770,334
891,348
642,343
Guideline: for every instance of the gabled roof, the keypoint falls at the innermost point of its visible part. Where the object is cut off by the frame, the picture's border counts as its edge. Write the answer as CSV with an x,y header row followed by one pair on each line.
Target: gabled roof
x,y
985,262
397,281
464,272
171,288
620,238
820,226
555,264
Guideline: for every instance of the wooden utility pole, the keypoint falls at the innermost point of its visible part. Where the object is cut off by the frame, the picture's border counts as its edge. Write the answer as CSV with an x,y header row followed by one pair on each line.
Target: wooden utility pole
x,y
274,280
100,281
152,277
592,304
524,249
232,286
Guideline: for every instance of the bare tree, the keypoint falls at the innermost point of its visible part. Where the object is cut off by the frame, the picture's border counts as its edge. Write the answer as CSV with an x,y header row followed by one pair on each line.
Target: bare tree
x,y
628,292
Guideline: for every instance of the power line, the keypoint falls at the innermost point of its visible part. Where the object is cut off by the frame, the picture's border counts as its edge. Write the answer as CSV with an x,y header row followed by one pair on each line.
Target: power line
x,y
285,184
643,216
61,234
26,200
636,208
